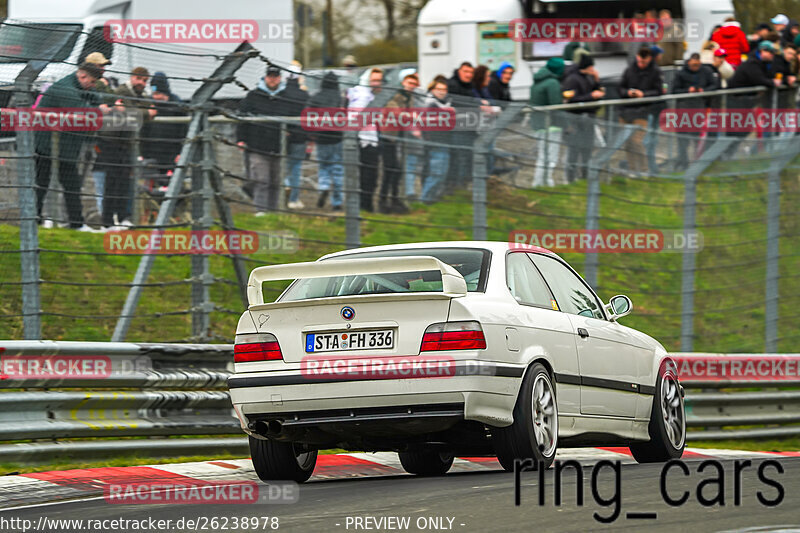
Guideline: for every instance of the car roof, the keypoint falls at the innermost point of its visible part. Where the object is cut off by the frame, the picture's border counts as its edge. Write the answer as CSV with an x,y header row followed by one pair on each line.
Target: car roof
x,y
493,246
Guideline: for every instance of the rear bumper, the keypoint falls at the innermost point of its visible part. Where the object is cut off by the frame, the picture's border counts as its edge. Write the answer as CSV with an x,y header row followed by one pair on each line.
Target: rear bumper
x,y
288,395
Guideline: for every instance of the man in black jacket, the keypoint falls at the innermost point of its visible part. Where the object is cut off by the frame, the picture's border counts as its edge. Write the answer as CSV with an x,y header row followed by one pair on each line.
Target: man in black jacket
x,y
641,79
756,70
498,85
459,88
581,85
262,139
694,77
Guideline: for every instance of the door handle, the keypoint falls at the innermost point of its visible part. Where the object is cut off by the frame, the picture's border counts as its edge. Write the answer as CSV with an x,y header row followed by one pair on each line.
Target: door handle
x,y
583,333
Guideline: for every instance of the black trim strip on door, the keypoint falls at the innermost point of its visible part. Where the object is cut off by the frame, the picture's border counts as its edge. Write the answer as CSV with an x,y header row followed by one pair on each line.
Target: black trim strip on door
x,y
601,383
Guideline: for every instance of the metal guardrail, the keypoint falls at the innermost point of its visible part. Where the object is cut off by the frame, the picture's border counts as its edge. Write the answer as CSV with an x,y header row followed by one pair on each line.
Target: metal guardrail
x,y
152,391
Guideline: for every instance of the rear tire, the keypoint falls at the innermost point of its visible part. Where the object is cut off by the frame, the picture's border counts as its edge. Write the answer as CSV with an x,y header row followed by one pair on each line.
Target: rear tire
x,y
667,426
534,432
275,460
426,462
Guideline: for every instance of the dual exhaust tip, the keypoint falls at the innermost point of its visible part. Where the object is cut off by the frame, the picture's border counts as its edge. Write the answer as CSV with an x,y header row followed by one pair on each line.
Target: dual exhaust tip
x,y
268,428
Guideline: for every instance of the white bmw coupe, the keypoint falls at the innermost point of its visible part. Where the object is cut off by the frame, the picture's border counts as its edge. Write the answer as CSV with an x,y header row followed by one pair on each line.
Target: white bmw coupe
x,y
441,349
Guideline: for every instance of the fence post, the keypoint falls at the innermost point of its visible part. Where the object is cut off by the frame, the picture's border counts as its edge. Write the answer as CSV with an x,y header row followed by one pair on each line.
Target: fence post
x,y
788,149
352,191
210,86
592,222
28,227
479,199
201,221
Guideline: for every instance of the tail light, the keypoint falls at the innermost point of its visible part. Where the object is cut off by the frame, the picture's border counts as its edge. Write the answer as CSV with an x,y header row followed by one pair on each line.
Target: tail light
x,y
251,347
467,335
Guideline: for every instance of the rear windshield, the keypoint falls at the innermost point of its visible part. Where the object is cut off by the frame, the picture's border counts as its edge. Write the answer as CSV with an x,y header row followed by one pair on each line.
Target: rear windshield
x,y
471,263
21,42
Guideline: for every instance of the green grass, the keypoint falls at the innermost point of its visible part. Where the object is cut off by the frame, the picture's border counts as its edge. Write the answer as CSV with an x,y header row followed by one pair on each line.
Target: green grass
x,y
730,279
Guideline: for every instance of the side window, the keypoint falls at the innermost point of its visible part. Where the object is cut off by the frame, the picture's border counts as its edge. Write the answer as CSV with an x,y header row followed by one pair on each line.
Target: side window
x,y
96,42
525,283
572,295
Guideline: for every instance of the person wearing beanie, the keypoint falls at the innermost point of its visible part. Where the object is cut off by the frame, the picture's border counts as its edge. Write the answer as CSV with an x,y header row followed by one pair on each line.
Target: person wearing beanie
x,y
581,84
162,141
498,85
546,90
694,77
642,78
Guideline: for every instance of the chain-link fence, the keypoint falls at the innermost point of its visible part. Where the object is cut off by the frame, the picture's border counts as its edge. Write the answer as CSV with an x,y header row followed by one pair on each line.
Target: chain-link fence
x,y
252,167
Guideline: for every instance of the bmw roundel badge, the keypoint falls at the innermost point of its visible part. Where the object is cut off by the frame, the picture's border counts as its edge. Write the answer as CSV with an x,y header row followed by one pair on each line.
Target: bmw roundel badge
x,y
348,313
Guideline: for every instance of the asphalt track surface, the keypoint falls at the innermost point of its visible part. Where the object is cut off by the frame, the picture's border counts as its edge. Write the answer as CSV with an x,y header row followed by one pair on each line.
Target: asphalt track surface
x,y
485,501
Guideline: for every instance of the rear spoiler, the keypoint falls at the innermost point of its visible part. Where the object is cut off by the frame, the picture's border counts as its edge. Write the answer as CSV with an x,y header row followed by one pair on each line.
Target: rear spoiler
x,y
453,283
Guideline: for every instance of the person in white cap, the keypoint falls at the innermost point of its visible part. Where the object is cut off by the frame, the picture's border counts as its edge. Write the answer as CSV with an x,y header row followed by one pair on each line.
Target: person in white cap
x,y
779,22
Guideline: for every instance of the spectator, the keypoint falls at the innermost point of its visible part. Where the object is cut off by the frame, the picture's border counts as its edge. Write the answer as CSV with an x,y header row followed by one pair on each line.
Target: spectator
x,y
571,48
546,90
498,87
779,22
480,84
329,145
671,44
103,86
723,71
459,88
658,53
791,32
294,101
694,77
642,78
116,155
786,65
707,52
438,157
581,85
755,71
262,140
161,141
731,37
761,32
390,200
74,90
359,97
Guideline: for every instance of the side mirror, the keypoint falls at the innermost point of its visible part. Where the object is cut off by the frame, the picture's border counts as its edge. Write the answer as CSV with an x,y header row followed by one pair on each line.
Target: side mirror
x,y
619,306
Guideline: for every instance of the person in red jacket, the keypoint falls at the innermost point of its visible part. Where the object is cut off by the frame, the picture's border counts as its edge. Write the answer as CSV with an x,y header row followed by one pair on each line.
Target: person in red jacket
x,y
731,37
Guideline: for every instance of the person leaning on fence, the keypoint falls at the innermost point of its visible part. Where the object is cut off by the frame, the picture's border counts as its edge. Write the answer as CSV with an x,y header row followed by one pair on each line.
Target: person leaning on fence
x,y
459,88
641,79
329,145
438,156
103,86
694,77
74,90
295,100
369,153
545,91
498,86
581,84
162,141
721,68
116,149
262,140
404,99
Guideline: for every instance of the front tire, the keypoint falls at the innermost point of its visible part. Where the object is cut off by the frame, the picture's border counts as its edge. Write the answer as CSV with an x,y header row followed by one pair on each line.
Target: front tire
x,y
275,460
534,432
667,426
426,462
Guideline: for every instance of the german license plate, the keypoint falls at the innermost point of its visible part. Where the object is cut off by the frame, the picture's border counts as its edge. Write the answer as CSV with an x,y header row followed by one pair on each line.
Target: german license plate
x,y
350,340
